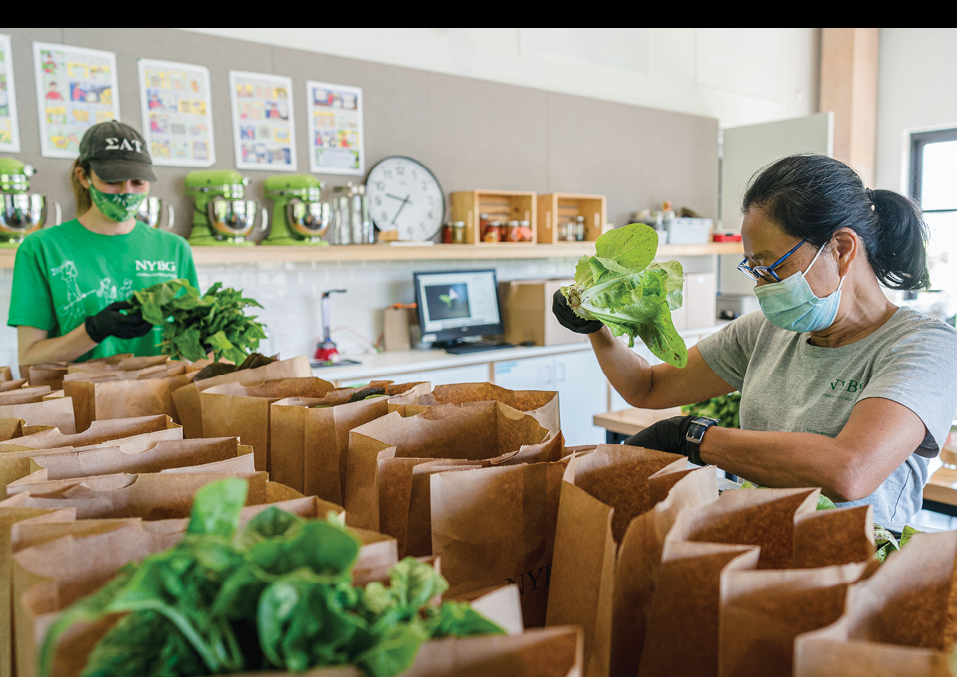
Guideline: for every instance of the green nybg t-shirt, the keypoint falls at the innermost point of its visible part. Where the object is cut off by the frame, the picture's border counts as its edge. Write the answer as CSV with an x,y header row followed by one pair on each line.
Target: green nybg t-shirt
x,y
66,273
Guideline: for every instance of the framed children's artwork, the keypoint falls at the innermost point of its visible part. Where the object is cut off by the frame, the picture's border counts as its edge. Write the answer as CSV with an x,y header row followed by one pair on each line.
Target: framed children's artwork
x,y
264,131
336,138
9,128
177,113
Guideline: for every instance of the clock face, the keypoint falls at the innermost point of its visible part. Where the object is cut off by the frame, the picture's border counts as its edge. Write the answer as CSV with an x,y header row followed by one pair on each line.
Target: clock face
x,y
404,196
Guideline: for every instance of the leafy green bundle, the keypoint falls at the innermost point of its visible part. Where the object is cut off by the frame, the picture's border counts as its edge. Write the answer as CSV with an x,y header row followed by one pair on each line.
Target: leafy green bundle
x,y
623,288
277,593
725,408
193,324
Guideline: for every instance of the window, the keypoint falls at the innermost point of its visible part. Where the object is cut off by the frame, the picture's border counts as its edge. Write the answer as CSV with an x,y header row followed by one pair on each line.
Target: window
x,y
934,186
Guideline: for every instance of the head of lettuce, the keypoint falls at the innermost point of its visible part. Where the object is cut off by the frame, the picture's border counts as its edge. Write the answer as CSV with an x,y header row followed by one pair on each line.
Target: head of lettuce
x,y
622,287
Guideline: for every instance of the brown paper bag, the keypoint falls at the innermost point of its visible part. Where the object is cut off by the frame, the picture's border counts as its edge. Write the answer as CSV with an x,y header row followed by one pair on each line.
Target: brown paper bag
x,y
10,518
121,394
187,399
53,467
57,413
682,636
309,447
6,374
763,611
123,362
10,428
99,432
242,409
831,537
24,395
497,525
47,374
900,621
762,517
152,496
404,495
540,404
601,494
473,431
639,559
6,386
15,458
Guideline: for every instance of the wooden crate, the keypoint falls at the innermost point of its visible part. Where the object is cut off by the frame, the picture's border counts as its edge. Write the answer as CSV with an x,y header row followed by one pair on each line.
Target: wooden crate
x,y
500,205
555,208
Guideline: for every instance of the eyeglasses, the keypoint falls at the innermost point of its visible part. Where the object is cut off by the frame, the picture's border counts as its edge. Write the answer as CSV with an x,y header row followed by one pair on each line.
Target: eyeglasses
x,y
766,273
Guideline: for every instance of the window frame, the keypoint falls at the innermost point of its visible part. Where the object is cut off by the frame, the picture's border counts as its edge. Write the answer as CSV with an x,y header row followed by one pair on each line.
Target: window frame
x,y
919,141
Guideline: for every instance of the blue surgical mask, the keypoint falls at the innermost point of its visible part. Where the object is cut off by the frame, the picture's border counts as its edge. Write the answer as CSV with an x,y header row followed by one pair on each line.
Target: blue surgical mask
x,y
791,304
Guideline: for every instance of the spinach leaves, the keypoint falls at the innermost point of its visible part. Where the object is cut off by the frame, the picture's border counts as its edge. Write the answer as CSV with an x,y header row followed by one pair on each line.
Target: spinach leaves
x,y
193,325
277,593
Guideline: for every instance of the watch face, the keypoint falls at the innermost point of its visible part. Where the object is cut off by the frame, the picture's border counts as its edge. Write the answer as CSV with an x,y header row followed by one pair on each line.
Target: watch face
x,y
406,197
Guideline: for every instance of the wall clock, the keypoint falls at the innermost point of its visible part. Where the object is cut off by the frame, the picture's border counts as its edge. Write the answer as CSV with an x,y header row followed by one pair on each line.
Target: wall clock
x,y
405,198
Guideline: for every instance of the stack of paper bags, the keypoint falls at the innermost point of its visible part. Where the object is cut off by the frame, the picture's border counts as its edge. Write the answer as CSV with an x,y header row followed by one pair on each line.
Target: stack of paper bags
x,y
309,436
189,406
742,532
542,405
900,621
242,409
37,406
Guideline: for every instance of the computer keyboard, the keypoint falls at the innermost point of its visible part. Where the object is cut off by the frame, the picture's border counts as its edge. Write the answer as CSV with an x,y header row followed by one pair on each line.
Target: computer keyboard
x,y
466,348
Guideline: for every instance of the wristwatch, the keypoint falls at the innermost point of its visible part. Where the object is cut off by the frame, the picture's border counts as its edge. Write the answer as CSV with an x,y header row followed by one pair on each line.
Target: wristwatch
x,y
699,424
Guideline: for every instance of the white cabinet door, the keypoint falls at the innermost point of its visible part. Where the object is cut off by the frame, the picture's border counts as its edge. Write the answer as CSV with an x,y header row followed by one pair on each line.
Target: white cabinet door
x,y
582,393
472,373
531,373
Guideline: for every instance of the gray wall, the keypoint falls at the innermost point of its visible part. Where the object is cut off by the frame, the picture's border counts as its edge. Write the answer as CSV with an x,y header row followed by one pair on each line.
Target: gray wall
x,y
471,133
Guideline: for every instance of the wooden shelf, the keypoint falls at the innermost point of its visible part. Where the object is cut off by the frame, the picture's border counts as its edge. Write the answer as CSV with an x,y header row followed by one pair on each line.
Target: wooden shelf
x,y
438,252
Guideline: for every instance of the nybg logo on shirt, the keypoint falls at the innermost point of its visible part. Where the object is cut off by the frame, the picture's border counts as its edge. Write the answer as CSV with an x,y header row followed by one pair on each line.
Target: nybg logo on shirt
x,y
845,390
156,268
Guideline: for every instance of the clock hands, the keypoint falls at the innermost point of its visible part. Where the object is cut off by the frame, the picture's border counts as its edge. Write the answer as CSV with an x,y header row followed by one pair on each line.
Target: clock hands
x,y
396,197
401,206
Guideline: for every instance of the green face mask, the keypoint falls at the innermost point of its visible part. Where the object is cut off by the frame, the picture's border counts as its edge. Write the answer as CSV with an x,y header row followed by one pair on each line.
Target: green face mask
x,y
117,207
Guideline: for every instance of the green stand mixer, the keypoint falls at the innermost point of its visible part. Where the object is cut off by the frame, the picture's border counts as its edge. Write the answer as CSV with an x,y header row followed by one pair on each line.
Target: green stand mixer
x,y
22,212
221,214
298,217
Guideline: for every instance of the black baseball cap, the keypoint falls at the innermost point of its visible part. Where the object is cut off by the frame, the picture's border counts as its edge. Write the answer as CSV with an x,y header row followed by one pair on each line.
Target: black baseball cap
x,y
116,152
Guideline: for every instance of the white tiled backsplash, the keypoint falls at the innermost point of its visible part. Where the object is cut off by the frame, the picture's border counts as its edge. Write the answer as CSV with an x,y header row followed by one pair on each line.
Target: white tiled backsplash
x,y
290,294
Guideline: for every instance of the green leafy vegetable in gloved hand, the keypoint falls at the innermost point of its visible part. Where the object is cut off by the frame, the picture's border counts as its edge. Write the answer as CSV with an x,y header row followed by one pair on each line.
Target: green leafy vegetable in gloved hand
x,y
623,288
193,325
276,594
725,408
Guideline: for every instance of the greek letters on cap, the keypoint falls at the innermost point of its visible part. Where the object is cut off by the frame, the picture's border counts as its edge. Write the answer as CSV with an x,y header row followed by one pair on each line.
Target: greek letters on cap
x,y
114,143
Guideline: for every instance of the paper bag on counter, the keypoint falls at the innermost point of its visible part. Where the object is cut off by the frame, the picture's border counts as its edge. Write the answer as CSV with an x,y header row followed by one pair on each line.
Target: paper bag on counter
x,y
47,374
601,494
57,413
639,559
242,409
496,525
405,507
682,635
187,400
151,496
762,612
900,621
100,395
6,386
178,454
24,395
474,431
831,537
6,374
540,404
99,432
10,428
309,446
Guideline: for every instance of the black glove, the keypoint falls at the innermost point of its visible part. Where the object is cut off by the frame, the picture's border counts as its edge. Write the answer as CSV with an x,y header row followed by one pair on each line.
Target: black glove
x,y
111,322
567,317
668,435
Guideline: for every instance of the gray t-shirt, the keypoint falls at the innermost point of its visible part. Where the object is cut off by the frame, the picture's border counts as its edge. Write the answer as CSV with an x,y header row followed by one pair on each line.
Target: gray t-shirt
x,y
790,385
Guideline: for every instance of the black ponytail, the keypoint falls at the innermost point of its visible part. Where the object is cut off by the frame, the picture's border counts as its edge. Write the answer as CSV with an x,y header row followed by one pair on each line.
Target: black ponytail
x,y
813,196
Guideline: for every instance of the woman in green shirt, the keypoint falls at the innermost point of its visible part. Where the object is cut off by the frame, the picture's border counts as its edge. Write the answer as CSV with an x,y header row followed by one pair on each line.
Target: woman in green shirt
x,y
71,282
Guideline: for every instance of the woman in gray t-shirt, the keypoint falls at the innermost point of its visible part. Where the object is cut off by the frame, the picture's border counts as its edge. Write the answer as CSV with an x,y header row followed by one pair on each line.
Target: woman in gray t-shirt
x,y
840,388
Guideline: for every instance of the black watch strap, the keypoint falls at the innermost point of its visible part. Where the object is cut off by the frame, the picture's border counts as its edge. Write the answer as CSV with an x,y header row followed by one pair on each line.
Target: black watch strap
x,y
699,425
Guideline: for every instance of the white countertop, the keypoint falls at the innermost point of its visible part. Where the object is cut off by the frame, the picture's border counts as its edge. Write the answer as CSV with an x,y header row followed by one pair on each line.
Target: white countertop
x,y
409,361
